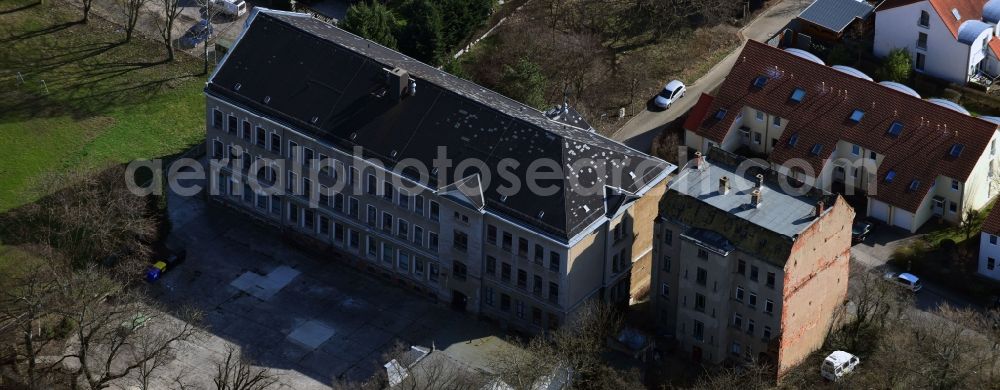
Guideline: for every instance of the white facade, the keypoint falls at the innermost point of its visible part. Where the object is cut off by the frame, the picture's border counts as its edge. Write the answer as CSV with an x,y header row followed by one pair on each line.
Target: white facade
x,y
989,256
934,49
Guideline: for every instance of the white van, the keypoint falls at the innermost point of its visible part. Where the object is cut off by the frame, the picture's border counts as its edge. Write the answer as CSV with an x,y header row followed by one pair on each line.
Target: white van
x,y
838,364
233,8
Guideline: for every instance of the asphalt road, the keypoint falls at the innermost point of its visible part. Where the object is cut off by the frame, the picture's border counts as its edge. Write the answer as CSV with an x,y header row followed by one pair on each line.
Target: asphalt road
x,y
639,131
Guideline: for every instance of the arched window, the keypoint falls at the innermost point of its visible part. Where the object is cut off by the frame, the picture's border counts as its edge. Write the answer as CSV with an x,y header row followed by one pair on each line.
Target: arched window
x,y
925,18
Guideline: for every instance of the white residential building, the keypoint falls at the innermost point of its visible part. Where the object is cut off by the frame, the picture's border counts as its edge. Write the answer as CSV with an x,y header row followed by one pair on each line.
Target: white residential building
x,y
989,246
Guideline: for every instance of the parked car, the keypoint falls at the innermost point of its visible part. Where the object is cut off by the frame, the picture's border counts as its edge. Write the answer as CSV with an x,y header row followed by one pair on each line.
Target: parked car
x,y
671,92
157,269
232,8
860,230
838,364
197,34
907,280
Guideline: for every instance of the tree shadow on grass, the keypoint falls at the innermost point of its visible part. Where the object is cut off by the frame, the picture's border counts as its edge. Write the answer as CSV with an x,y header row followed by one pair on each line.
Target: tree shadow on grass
x,y
21,8
44,31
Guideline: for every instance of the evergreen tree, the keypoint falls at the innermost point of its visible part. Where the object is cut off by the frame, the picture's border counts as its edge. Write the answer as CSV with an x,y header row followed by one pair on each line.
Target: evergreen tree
x,y
423,36
372,21
524,82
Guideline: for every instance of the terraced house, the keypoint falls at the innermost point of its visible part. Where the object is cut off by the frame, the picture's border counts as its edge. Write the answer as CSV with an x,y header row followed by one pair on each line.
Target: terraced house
x,y
297,90
835,127
746,271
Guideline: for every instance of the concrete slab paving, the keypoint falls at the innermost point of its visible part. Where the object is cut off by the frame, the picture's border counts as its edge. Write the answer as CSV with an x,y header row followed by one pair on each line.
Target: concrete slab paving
x,y
311,334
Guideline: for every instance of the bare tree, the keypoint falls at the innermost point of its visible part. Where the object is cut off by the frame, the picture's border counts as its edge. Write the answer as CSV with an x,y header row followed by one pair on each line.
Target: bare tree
x,y
210,12
171,10
87,5
131,10
235,372
88,218
878,306
752,377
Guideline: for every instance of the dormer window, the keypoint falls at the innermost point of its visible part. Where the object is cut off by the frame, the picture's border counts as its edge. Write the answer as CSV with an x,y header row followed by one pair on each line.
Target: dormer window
x,y
793,139
956,150
889,176
760,82
816,149
797,95
914,185
856,116
895,129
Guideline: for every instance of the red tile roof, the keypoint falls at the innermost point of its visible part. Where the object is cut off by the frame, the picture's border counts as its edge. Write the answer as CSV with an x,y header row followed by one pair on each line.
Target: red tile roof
x,y
920,152
995,46
967,9
697,113
992,223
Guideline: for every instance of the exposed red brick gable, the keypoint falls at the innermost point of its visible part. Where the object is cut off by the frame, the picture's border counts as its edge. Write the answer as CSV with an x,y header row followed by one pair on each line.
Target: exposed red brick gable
x,y
920,152
992,223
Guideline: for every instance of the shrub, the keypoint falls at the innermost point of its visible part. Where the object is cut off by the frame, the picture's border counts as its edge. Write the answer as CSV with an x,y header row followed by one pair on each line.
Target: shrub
x,y
897,66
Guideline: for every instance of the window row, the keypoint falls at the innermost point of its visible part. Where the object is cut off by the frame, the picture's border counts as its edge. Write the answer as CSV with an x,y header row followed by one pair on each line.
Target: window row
x,y
519,308
254,135
505,240
537,283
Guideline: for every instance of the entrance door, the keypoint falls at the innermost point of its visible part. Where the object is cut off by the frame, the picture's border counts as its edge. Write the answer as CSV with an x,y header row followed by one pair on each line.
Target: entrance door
x,y
458,300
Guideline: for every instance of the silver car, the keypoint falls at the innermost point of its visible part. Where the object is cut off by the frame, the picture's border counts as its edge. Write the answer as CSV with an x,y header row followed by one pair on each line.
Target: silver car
x,y
671,92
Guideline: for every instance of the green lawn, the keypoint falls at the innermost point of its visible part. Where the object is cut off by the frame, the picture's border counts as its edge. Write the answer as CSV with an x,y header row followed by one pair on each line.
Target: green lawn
x,y
106,101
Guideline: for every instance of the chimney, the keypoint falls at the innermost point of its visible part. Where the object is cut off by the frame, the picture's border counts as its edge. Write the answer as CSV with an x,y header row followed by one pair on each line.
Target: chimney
x,y
756,198
723,185
698,163
760,181
820,206
397,81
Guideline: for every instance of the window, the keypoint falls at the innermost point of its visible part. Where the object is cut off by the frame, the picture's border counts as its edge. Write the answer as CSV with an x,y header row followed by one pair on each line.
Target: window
x,y
246,130
750,326
262,201
752,300
719,115
371,185
309,218
435,211
921,60
741,267
338,233
539,254
554,262
519,309
354,239
760,115
522,247
307,156
461,271
324,225
553,292
388,253
233,123
793,139
418,204
753,272
491,234
433,272
387,221
699,302
798,94
922,40
218,149
432,240
522,279
354,173
292,150
505,272
338,202
925,19
816,149
491,265
739,293
993,239
418,269
856,150
668,237
767,333
954,185
461,240
293,213
769,306
890,176
738,320
536,285
953,207
217,119
403,261
404,199
702,253
665,290
757,137
536,316
702,278
387,191
857,115
324,195
276,143
666,263
760,81
698,330
735,348
261,138
488,296
275,204
770,279
991,263
914,185
508,241
372,247
418,235
895,129
403,229
776,121
504,302
353,208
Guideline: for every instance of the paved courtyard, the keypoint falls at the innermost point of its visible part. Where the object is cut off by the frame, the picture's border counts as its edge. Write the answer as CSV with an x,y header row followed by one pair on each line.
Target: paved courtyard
x,y
308,318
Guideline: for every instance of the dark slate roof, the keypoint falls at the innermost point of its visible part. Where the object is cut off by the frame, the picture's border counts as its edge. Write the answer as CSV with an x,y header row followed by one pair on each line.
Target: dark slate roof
x,y
312,70
921,152
836,15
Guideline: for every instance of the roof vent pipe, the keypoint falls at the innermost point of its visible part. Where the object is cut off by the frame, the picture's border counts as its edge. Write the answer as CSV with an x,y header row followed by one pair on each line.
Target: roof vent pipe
x,y
756,198
820,206
760,181
698,163
724,185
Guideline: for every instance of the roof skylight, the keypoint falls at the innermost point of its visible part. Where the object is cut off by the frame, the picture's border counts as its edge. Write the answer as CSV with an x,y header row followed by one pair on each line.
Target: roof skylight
x,y
895,129
760,82
793,139
857,115
890,175
798,94
816,149
720,114
956,150
914,185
